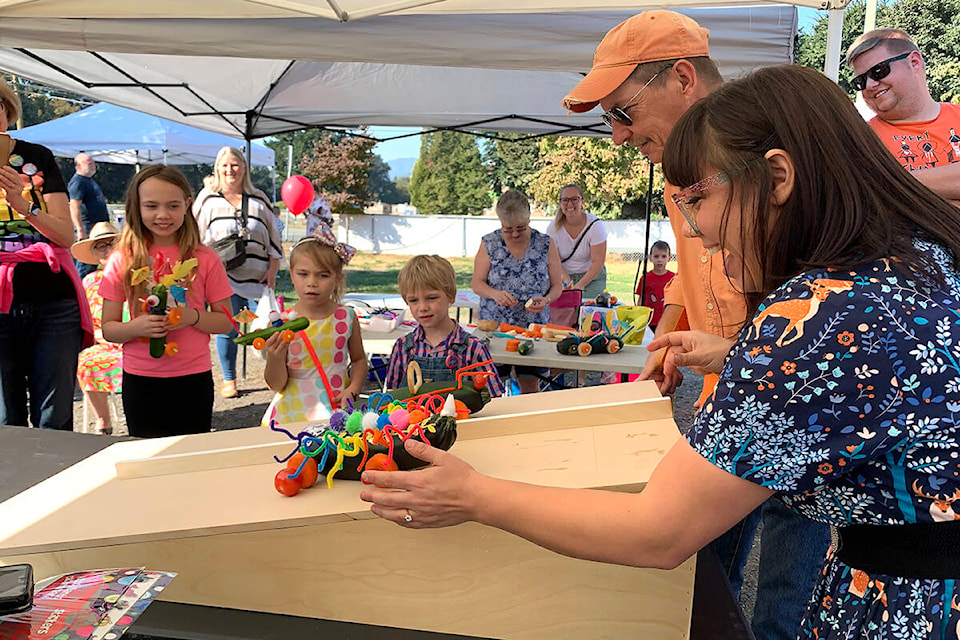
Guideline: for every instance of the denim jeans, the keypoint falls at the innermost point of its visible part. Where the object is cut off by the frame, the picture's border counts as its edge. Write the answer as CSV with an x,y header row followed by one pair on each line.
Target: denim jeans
x,y
39,345
792,552
226,347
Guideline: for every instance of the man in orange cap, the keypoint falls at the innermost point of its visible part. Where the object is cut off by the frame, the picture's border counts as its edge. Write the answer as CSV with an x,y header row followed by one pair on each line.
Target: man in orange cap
x,y
646,73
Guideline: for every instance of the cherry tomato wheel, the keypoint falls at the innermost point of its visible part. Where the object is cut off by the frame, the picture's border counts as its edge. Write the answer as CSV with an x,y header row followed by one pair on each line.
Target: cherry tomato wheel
x,y
286,486
309,473
259,344
171,349
381,462
479,381
175,316
584,349
613,347
286,335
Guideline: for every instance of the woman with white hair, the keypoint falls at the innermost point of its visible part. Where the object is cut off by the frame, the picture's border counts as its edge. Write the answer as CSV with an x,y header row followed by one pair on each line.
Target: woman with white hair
x,y
517,274
229,205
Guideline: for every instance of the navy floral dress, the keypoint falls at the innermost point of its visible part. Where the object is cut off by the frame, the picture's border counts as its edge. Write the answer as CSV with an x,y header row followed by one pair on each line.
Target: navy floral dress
x,y
843,394
524,279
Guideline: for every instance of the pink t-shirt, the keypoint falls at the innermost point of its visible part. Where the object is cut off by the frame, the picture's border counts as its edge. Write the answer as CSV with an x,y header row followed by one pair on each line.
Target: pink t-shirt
x,y
210,285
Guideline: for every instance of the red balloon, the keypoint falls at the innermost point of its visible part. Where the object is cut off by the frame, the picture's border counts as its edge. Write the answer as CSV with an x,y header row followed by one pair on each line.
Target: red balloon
x,y
297,193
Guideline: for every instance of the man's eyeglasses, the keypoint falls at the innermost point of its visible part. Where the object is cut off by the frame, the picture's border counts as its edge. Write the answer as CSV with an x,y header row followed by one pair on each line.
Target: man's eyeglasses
x,y
620,113
103,245
877,72
570,200
688,200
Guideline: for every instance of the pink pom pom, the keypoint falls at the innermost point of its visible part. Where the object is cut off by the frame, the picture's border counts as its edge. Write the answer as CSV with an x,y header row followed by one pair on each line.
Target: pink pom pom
x,y
400,418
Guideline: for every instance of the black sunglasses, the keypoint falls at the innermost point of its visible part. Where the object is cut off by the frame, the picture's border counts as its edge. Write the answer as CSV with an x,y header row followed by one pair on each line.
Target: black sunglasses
x,y
877,72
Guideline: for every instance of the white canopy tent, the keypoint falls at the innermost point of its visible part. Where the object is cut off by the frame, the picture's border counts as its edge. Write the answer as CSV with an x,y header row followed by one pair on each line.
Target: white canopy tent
x,y
492,72
339,10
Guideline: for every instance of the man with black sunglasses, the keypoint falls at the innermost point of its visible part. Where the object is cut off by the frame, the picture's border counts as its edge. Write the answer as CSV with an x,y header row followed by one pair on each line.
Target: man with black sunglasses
x,y
919,131
646,73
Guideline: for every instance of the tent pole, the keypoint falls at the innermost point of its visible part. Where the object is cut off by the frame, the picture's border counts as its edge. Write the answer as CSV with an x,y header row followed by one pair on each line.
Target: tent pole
x,y
831,66
870,20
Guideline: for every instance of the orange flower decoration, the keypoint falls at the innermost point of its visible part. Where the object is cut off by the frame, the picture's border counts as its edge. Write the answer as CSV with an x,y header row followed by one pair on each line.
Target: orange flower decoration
x,y
845,338
825,468
788,367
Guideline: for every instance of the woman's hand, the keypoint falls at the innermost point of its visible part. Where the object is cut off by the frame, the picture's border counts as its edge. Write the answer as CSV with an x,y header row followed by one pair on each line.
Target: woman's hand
x,y
537,303
12,185
270,277
504,298
700,351
149,325
440,495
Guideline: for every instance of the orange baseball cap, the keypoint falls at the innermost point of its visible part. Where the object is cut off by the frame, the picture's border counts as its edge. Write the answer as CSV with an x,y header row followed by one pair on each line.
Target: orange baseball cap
x,y
646,37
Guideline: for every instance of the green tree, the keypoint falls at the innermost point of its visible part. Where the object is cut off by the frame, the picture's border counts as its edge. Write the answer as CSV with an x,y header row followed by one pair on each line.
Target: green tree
x,y
302,142
511,161
933,25
611,177
381,187
448,177
339,165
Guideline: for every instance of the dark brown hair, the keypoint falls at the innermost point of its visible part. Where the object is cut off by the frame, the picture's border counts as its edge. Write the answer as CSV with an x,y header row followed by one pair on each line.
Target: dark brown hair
x,y
852,202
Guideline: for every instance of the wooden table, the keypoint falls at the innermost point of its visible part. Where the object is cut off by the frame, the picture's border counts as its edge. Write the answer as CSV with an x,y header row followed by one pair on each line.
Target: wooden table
x,y
630,359
30,456
204,506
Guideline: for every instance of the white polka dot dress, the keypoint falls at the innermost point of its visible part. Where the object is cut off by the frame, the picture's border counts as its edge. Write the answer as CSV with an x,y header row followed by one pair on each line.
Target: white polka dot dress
x,y
304,399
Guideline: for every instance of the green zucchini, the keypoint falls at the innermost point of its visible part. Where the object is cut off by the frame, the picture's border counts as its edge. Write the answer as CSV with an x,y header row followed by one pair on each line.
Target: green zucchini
x,y
297,324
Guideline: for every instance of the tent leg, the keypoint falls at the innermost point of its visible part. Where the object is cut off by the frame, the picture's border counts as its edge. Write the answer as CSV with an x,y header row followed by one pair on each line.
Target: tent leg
x,y
831,66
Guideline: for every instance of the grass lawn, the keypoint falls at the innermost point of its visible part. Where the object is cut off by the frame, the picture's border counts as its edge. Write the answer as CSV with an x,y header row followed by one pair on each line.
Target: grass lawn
x,y
370,273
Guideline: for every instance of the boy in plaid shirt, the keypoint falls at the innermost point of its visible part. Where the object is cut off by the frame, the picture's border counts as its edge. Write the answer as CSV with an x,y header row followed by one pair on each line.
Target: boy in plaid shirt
x,y
439,345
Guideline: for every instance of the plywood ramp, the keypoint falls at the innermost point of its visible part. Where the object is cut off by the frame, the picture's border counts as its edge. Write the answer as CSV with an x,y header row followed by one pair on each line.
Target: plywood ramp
x,y
236,543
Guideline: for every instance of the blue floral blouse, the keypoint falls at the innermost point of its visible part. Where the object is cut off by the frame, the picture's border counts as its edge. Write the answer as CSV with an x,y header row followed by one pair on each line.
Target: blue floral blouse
x,y
524,278
843,394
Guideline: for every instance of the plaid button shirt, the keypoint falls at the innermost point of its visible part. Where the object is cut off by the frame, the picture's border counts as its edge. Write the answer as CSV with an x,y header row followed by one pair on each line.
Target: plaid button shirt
x,y
400,357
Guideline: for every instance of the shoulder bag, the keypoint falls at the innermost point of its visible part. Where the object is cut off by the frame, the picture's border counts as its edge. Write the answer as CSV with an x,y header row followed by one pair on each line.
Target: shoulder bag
x,y
232,249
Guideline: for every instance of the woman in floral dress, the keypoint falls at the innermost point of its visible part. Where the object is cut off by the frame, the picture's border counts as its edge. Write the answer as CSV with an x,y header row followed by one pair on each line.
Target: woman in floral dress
x,y
517,274
98,369
841,395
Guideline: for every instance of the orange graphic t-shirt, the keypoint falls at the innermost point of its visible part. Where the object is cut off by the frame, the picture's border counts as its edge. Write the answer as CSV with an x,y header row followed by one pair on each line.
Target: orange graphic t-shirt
x,y
923,145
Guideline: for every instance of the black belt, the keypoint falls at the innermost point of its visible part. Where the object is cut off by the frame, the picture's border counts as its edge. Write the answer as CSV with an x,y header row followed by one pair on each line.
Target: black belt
x,y
925,550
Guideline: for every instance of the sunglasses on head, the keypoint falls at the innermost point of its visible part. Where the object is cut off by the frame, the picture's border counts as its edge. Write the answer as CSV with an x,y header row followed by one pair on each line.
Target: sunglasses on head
x,y
877,72
620,113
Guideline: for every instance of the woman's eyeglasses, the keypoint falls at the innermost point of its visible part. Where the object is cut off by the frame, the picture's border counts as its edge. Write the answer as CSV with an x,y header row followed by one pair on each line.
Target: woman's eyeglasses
x,y
688,200
620,113
515,230
877,72
572,200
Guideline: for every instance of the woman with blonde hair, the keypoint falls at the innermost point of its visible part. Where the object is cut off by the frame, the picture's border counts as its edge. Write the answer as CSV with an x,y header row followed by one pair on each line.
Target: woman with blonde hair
x,y
581,240
229,205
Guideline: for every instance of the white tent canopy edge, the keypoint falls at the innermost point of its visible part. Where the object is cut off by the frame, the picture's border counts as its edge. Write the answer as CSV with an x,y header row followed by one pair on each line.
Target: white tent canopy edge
x,y
341,10
258,97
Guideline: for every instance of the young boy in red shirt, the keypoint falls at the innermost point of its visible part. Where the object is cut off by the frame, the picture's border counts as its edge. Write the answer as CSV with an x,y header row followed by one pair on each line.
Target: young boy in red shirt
x,y
655,281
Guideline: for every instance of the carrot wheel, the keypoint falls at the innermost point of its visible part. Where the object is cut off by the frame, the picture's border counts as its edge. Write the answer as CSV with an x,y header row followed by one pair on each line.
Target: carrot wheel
x,y
613,347
286,335
171,349
584,349
259,344
175,316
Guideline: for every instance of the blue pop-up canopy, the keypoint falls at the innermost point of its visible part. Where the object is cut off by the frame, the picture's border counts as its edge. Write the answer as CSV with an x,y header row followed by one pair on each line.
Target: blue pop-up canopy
x,y
114,134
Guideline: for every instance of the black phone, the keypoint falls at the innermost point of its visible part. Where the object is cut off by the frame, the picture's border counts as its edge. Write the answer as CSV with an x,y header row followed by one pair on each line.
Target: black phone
x,y
16,589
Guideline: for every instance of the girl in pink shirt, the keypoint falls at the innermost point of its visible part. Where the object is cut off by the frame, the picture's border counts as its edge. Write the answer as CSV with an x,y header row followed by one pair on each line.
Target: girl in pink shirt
x,y
172,393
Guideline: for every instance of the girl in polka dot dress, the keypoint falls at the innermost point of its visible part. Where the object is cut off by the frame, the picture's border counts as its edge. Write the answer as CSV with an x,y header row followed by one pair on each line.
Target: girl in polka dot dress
x,y
316,267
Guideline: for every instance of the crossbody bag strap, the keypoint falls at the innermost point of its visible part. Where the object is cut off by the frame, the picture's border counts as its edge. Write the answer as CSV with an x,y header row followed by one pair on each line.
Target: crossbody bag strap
x,y
244,203
580,239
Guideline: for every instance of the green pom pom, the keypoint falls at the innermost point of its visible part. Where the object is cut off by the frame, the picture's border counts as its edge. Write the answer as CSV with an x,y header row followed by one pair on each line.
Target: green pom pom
x,y
355,423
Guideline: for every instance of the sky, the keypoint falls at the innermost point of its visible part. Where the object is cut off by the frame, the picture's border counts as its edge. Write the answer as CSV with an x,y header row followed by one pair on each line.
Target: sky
x,y
410,147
